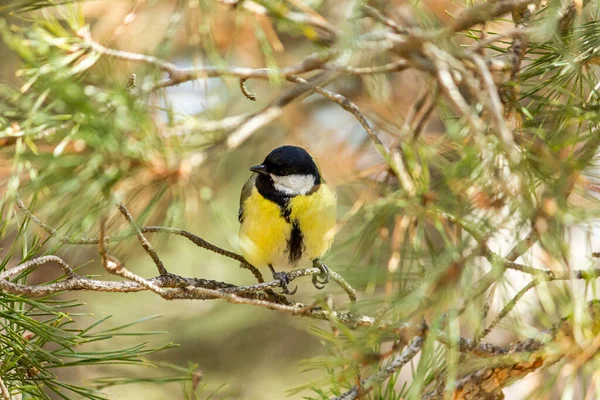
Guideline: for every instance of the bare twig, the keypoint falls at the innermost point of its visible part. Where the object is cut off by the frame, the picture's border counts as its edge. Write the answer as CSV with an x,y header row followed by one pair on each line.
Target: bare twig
x,y
180,75
197,240
394,162
114,266
522,246
488,302
36,262
394,66
317,22
485,12
172,287
378,16
144,242
102,244
511,33
50,230
334,276
179,287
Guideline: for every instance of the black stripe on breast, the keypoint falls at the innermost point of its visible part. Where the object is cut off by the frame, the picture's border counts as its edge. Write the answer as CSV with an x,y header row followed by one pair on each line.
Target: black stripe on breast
x,y
285,213
295,244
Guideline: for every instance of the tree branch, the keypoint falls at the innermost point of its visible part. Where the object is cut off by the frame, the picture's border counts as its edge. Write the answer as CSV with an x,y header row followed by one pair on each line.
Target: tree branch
x,y
171,287
485,12
36,262
144,242
514,362
334,276
180,75
396,365
197,240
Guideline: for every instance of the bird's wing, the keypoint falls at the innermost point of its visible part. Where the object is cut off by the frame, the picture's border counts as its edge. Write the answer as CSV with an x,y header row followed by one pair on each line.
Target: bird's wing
x,y
246,191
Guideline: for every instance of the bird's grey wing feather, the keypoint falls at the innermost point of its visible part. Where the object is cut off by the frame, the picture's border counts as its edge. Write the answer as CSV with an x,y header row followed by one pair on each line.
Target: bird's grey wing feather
x,y
246,191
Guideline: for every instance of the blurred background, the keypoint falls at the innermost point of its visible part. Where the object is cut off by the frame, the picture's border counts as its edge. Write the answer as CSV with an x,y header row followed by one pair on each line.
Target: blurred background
x,y
168,154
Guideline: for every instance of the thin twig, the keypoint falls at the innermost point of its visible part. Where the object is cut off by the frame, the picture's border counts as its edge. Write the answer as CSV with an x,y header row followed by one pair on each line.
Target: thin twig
x,y
334,276
144,242
173,287
511,33
115,267
394,66
180,75
299,18
395,163
36,262
522,246
484,12
378,16
488,302
102,243
396,365
550,275
197,240
507,309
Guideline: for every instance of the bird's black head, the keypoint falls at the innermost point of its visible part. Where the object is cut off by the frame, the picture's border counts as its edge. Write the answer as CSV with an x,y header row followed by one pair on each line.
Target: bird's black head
x,y
287,171
288,160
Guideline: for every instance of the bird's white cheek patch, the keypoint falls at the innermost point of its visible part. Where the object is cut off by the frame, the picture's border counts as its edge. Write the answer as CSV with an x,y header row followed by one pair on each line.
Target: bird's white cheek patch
x,y
293,184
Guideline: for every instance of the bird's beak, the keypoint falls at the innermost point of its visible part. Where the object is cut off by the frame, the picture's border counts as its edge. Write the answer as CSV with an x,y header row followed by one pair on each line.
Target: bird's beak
x,y
259,169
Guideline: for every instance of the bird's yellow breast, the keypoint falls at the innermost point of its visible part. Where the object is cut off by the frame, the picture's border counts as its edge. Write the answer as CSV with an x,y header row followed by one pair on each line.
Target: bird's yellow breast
x,y
264,233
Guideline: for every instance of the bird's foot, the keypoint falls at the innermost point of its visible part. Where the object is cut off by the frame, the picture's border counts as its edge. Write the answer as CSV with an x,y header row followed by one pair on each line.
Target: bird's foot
x,y
284,280
324,275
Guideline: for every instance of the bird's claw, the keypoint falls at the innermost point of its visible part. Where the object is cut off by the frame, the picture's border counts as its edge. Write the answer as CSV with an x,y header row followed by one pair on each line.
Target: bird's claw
x,y
316,281
324,275
284,280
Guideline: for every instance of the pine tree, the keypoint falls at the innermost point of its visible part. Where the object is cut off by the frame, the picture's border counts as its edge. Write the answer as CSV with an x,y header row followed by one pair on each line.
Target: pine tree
x,y
465,258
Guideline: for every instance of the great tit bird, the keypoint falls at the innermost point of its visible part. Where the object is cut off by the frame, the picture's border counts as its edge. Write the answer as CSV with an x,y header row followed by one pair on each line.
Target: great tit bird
x,y
287,214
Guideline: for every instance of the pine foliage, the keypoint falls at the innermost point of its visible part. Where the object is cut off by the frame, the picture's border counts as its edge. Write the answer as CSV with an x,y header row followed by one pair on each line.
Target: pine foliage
x,y
463,236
